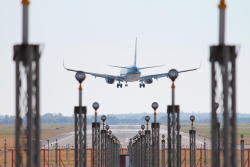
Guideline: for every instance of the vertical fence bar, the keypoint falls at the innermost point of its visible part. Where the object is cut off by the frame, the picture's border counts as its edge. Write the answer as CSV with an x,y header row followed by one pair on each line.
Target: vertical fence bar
x,y
242,151
163,156
48,154
248,157
5,153
201,156
185,157
44,160
56,156
205,153
12,157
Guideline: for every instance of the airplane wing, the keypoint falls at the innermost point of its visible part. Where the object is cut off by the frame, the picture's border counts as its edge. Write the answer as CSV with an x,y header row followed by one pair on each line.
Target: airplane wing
x,y
105,76
154,76
188,70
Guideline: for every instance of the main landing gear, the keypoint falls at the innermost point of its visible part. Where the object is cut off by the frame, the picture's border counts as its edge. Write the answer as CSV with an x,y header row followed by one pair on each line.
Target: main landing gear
x,y
119,85
142,85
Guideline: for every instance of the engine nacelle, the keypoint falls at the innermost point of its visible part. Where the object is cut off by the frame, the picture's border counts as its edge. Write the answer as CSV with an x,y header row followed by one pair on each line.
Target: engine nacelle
x,y
148,81
110,80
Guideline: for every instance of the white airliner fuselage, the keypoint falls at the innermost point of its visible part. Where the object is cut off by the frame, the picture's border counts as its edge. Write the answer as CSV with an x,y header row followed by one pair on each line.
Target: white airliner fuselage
x,y
131,74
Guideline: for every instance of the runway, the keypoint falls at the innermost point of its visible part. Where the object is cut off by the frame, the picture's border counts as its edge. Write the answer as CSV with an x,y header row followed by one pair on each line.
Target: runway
x,y
122,132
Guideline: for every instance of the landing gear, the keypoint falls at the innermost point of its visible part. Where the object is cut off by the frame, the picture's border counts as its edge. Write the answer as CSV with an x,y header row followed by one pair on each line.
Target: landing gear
x,y
126,85
119,85
142,85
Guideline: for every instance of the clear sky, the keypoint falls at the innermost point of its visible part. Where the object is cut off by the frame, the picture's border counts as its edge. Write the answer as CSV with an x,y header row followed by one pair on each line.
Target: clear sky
x,y
91,34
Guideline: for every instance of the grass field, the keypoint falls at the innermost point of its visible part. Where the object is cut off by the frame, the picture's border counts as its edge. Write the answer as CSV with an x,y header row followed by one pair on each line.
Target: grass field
x,y
7,131
204,130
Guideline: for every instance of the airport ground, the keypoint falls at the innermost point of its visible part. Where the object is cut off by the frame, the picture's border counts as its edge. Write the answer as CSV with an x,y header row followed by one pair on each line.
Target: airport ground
x,y
65,134
50,131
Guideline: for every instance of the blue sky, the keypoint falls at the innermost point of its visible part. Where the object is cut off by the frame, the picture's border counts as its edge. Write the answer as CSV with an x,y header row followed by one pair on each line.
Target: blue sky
x,y
90,35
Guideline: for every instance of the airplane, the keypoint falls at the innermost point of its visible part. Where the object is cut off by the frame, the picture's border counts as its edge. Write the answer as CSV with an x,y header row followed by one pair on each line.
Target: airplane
x,y
133,73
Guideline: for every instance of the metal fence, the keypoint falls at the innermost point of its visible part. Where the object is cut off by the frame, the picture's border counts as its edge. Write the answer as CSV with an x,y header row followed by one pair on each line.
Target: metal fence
x,y
64,157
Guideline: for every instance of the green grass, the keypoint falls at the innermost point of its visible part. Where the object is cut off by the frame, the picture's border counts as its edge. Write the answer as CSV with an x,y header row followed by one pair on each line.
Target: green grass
x,y
204,130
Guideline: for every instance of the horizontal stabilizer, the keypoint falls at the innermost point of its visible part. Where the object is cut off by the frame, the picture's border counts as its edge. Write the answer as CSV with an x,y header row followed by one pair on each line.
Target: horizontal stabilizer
x,y
142,68
120,67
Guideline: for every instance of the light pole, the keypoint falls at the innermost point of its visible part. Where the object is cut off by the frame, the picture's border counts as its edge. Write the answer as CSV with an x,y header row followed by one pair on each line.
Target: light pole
x,y
148,143
155,105
103,141
96,137
107,147
80,125
174,140
27,76
155,138
147,119
192,142
95,106
223,88
143,146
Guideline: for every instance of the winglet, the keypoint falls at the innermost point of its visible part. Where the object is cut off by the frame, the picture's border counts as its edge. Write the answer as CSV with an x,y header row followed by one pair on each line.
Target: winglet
x,y
63,64
135,51
193,69
69,68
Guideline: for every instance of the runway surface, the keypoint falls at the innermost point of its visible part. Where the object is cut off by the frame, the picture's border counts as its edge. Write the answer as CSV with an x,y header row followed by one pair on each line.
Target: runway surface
x,y
122,132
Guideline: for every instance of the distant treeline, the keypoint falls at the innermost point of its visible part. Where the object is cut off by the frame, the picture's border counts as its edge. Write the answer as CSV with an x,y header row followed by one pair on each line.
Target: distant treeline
x,y
124,119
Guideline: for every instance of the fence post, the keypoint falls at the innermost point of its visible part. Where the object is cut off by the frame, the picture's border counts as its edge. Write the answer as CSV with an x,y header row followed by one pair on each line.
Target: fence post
x,y
12,157
5,153
201,156
248,157
242,151
60,158
44,160
48,153
205,153
185,157
56,157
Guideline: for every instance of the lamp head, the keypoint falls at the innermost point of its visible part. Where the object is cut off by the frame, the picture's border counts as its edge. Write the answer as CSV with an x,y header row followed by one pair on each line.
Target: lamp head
x,y
147,118
107,127
192,118
103,118
142,127
80,76
95,106
155,105
173,74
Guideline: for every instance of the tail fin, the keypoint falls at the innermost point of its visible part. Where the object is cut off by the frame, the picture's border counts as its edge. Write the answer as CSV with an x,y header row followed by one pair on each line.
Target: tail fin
x,y
135,58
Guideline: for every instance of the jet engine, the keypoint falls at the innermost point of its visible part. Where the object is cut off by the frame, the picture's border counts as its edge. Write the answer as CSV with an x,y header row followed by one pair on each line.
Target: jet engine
x,y
110,80
148,81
